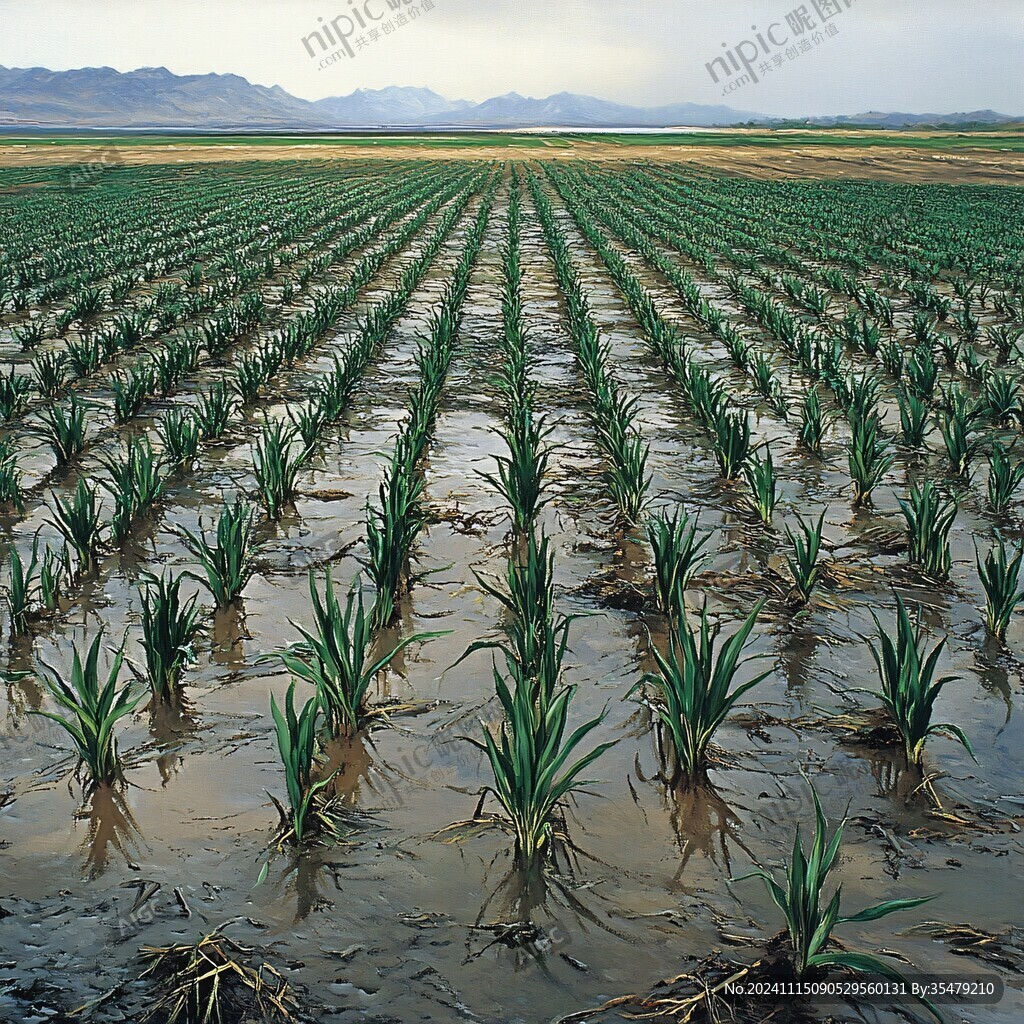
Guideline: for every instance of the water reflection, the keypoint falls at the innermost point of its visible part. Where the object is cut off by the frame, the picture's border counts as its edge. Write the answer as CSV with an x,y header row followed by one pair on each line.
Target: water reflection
x,y
994,670
703,823
898,782
228,635
307,867
24,694
797,653
110,827
351,761
170,725
534,913
701,820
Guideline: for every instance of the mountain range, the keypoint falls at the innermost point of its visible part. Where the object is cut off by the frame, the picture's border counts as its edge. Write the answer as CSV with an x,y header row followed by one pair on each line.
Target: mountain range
x,y
157,98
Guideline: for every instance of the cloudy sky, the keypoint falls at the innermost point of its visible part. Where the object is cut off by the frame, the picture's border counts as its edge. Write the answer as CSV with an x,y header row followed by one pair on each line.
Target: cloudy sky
x,y
909,55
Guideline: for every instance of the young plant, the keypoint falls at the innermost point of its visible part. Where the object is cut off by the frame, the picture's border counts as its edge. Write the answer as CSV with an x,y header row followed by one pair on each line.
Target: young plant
x,y
677,555
78,521
10,476
803,563
15,391
696,687
214,411
810,920
229,560
537,636
812,425
310,420
961,447
181,435
54,572
950,347
172,362
909,687
296,743
277,466
131,391
929,518
816,300
88,302
529,758
250,376
922,373
1000,576
894,359
520,478
1005,340
862,400
336,656
51,372
392,529
29,335
169,626
869,458
1003,399
1004,478
95,709
969,325
763,484
914,426
765,379
626,476
84,355
732,443
63,429
217,335
135,484
738,347
21,588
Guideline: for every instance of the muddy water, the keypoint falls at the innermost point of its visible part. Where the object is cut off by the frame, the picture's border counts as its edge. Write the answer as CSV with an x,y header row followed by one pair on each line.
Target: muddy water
x,y
392,926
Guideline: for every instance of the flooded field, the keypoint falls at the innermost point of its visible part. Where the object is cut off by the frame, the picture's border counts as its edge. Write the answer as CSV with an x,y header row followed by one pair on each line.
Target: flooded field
x,y
489,401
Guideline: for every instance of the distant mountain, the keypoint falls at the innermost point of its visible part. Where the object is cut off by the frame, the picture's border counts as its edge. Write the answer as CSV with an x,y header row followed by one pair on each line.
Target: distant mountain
x,y
394,105
564,109
148,97
878,119
569,110
156,98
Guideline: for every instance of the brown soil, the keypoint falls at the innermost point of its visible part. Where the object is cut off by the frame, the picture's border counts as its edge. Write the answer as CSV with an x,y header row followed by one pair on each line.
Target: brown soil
x,y
888,163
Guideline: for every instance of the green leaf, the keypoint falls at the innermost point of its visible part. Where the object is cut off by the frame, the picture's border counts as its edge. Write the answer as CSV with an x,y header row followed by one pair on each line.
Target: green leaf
x,y
883,909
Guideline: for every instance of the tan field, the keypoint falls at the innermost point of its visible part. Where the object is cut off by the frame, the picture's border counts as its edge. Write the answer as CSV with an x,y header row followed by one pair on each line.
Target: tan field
x,y
880,159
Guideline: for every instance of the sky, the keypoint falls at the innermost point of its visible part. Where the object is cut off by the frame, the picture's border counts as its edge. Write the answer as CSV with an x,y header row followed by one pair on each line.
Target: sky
x,y
935,56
